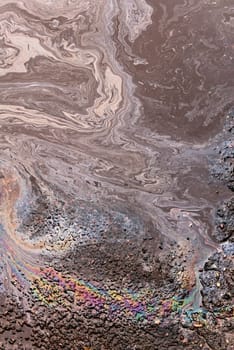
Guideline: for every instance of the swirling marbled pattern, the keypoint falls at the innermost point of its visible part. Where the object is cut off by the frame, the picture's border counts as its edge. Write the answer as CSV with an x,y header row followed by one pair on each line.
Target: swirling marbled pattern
x,y
111,108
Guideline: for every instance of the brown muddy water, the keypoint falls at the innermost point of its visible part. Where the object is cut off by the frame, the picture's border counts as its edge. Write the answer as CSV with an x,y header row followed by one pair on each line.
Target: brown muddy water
x,y
109,114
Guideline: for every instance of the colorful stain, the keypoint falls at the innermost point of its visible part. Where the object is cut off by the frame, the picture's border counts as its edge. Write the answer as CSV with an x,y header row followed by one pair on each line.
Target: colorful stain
x,y
22,262
54,288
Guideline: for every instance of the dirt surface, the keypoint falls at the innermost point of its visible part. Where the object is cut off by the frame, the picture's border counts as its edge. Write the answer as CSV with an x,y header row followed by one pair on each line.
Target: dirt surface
x,y
225,222
223,167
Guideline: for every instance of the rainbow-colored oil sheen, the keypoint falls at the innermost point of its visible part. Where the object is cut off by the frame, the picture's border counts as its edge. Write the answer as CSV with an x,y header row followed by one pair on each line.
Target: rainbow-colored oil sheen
x,y
52,288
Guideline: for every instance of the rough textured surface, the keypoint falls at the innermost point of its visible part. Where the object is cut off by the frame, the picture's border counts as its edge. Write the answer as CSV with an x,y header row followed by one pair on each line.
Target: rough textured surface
x,y
223,167
225,222
217,280
114,117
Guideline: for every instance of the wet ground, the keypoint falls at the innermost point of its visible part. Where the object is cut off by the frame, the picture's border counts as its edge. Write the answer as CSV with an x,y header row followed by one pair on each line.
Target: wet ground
x,y
116,174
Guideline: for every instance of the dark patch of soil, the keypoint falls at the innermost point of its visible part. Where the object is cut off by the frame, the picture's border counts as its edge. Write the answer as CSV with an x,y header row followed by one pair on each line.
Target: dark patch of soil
x,y
223,167
225,222
41,327
217,279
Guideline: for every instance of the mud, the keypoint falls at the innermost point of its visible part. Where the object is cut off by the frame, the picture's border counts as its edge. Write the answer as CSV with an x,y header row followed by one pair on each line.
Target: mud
x,y
116,175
